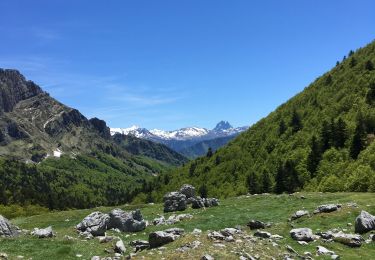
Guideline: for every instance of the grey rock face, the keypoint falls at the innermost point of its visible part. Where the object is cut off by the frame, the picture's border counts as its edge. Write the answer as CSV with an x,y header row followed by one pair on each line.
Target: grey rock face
x,y
159,238
350,240
14,88
299,214
364,222
302,234
95,224
327,208
174,201
126,221
7,229
43,233
256,224
188,190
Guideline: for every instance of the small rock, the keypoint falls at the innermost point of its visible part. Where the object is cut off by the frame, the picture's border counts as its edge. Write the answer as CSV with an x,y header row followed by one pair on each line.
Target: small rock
x,y
327,208
302,234
140,245
120,247
262,234
256,224
196,232
302,243
43,233
105,239
320,250
95,257
207,257
216,235
3,256
350,240
300,213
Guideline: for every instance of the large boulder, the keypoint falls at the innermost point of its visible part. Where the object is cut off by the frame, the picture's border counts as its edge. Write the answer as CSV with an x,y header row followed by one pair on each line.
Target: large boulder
x,y
126,221
7,229
302,234
327,208
350,240
159,238
188,190
43,232
95,224
174,201
365,222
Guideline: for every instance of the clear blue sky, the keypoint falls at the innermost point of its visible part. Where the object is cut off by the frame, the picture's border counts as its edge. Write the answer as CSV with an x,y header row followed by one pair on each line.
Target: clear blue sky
x,y
169,64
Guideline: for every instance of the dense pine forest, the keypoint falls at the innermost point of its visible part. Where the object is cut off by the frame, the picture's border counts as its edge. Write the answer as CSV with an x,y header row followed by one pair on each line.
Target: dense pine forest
x,y
320,140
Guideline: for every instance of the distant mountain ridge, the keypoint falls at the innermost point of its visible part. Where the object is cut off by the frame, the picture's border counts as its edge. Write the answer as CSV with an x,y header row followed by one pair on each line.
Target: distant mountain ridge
x,y
182,139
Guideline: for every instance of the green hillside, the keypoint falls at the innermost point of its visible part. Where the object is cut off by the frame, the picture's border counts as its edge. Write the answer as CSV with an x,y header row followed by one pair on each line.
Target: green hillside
x,y
321,139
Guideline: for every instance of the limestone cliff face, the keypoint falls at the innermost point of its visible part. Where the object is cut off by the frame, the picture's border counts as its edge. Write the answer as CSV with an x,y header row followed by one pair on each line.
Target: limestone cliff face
x,y
14,88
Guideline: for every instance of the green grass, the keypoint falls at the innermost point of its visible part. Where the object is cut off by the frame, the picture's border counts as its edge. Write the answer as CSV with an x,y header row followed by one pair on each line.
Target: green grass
x,y
232,212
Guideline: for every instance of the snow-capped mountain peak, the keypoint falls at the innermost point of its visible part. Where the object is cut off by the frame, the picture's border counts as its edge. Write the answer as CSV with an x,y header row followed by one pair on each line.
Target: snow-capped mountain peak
x,y
222,129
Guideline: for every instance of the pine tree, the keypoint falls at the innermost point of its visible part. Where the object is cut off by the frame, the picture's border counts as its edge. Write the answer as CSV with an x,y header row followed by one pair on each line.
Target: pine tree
x,y
280,180
203,191
266,182
325,136
296,123
292,179
314,157
328,79
252,183
351,52
369,65
282,127
340,134
352,62
358,141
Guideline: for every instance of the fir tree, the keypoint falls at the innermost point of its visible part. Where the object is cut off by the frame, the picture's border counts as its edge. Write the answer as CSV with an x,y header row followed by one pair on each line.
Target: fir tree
x,y
266,182
295,122
325,136
252,183
203,191
340,134
369,65
282,127
314,157
280,180
358,141
352,62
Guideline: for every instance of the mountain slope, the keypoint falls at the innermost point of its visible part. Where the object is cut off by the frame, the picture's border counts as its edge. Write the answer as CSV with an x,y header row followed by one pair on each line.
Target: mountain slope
x,y
312,141
33,126
52,155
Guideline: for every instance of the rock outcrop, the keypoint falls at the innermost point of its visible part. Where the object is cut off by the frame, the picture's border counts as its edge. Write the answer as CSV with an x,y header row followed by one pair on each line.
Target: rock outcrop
x,y
126,221
188,190
174,201
350,240
95,224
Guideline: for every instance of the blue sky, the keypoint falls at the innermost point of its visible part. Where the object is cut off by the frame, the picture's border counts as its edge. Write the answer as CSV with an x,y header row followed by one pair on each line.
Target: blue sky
x,y
174,63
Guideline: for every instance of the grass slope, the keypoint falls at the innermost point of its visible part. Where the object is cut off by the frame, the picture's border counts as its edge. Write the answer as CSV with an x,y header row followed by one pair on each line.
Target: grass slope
x,y
231,212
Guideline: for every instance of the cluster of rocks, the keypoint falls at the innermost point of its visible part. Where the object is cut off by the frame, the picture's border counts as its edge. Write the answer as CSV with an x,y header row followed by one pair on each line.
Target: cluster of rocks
x,y
171,220
364,223
179,200
97,223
